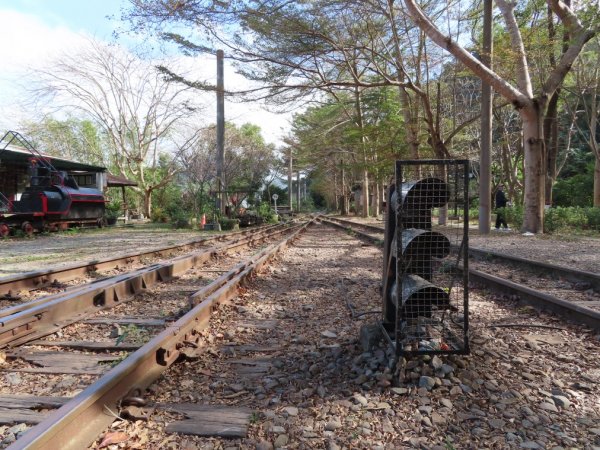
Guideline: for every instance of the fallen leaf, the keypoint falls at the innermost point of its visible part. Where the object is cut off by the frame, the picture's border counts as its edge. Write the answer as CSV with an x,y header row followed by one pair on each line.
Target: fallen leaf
x,y
113,438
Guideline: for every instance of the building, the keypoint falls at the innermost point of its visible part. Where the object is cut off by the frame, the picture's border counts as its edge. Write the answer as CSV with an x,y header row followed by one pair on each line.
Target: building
x,y
15,162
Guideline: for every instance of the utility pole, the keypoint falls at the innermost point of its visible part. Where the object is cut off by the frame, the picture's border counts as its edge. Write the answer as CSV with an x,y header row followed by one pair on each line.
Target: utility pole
x,y
221,198
485,159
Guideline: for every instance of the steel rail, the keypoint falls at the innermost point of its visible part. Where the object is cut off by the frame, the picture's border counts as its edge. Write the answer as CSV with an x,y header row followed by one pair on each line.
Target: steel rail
x,y
569,310
540,300
574,275
71,290
365,226
47,315
43,278
544,268
372,239
79,422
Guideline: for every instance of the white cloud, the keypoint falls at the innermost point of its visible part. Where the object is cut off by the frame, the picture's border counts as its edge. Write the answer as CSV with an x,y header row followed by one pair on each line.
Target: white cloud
x,y
27,44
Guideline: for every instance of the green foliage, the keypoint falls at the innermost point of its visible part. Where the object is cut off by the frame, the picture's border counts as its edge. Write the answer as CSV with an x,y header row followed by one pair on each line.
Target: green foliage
x,y
159,215
593,218
513,215
229,224
282,193
113,209
72,138
181,222
576,190
265,211
571,218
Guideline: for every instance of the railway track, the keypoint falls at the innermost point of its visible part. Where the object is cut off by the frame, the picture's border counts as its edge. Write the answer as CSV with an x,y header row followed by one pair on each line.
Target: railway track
x,y
571,293
280,365
37,280
156,316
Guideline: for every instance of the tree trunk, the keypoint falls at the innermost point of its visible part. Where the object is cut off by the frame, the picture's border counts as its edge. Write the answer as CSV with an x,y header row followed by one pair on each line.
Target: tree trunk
x,y
597,182
487,101
290,190
442,174
365,159
147,203
376,200
298,190
551,138
411,122
365,193
344,190
533,142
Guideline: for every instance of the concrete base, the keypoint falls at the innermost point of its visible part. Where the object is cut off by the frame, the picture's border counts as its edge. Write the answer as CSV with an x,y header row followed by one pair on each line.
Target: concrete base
x,y
370,335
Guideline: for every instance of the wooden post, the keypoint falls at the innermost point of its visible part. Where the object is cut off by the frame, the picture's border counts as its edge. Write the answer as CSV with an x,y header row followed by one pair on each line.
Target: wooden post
x,y
124,204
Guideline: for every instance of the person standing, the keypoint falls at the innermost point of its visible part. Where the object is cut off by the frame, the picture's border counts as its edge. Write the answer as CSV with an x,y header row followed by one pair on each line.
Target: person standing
x,y
501,202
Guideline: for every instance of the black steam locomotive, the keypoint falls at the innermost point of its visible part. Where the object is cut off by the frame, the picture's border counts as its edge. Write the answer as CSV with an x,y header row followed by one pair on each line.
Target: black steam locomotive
x,y
52,201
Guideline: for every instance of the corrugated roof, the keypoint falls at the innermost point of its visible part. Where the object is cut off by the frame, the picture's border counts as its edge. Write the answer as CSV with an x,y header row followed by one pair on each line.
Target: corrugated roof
x,y
22,155
117,181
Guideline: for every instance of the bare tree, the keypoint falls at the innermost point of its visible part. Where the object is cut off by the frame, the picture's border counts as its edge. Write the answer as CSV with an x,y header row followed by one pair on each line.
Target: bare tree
x,y
587,89
130,101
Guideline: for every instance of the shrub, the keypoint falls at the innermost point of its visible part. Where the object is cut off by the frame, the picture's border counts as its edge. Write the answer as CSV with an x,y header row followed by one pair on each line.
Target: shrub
x,y
513,215
180,222
593,218
113,209
265,211
559,218
229,224
158,215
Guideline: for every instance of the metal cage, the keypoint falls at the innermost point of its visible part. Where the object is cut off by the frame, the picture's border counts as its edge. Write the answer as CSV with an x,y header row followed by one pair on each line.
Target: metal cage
x,y
425,274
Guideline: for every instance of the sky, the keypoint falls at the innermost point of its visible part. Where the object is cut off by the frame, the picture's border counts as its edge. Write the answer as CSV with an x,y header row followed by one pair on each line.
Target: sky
x,y
33,32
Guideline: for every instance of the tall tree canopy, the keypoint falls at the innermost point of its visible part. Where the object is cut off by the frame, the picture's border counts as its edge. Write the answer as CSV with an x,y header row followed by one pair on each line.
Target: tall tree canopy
x,y
133,105
348,47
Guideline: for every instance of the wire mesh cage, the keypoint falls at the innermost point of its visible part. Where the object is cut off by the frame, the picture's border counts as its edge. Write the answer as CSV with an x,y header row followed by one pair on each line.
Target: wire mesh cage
x,y
425,274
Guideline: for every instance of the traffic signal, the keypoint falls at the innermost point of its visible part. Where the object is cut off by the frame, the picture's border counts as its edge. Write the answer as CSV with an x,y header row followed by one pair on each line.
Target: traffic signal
x,y
425,290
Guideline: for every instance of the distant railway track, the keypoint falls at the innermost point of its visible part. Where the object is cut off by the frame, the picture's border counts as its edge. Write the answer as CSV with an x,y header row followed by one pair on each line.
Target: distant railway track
x,y
575,293
11,285
190,300
27,321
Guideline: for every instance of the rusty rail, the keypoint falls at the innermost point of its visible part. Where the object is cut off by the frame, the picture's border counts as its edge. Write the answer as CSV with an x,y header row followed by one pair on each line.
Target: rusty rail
x,y
371,239
47,315
569,310
77,423
350,223
42,278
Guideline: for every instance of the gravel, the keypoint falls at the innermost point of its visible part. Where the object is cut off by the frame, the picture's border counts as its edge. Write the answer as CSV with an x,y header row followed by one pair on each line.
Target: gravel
x,y
18,255
322,390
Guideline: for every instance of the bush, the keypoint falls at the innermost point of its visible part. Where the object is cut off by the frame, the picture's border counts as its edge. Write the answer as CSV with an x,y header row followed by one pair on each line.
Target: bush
x,y
180,222
229,224
593,218
113,209
158,215
559,218
264,210
513,215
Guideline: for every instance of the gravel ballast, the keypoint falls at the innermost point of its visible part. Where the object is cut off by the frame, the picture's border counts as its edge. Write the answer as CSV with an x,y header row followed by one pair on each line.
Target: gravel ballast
x,y
311,385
